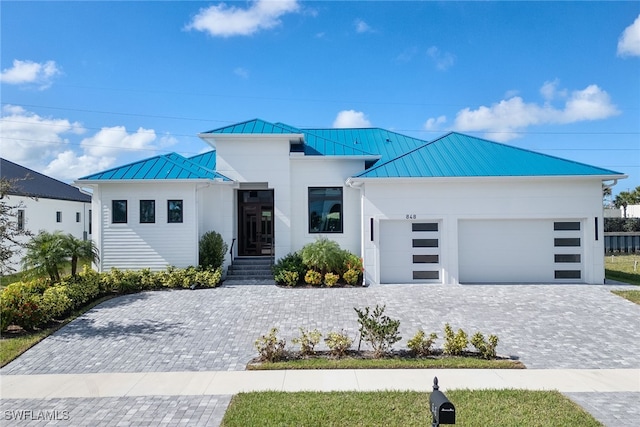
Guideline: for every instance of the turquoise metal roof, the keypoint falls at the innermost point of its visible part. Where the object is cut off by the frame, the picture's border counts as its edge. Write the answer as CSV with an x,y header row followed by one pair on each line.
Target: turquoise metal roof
x,y
166,166
255,126
458,155
387,155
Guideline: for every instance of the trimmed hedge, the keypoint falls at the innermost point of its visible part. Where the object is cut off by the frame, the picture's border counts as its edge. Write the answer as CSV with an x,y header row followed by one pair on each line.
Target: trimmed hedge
x,y
33,304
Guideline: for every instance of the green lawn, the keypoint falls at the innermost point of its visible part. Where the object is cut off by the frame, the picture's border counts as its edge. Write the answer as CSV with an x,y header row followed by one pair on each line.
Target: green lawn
x,y
624,268
390,363
478,408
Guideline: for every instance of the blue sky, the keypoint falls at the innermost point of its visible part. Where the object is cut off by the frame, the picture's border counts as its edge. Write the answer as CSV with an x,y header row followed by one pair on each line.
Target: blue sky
x,y
86,86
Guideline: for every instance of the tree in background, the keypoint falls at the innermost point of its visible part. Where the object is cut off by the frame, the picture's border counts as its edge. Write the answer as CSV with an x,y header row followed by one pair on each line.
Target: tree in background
x,y
11,233
626,198
46,254
80,250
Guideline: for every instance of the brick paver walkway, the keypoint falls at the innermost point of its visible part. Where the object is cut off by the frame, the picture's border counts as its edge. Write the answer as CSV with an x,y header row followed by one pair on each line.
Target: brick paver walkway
x,y
545,326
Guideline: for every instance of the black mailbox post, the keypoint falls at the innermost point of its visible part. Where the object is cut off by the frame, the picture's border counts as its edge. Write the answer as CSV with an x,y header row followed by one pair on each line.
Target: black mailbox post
x,y
442,410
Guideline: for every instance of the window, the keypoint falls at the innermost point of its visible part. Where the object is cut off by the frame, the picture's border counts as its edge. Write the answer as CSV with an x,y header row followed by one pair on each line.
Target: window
x,y
566,242
58,216
424,226
20,219
90,219
424,243
77,216
561,226
174,211
325,209
147,211
119,211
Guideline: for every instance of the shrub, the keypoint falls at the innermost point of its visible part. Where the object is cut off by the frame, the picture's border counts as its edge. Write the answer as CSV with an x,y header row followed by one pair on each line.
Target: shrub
x,y
351,276
330,279
323,255
212,249
21,305
56,301
292,263
454,344
270,348
289,278
338,343
313,277
380,331
420,345
486,349
308,341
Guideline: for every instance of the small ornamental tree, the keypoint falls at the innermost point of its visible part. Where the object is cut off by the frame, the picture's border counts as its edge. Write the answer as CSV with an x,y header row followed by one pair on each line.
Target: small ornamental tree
x,y
212,250
380,331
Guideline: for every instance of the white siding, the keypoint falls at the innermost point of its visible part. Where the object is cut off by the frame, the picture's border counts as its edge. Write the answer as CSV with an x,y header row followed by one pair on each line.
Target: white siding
x,y
134,245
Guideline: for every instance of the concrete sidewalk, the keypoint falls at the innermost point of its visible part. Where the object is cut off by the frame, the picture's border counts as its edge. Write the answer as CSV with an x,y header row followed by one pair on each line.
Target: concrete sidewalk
x,y
50,386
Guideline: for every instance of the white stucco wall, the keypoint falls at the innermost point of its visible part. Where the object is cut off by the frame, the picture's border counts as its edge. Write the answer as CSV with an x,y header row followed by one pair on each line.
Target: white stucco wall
x,y
40,215
449,201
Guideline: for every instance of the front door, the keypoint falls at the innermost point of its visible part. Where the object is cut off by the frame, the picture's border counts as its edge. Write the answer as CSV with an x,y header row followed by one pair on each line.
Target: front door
x,y
255,222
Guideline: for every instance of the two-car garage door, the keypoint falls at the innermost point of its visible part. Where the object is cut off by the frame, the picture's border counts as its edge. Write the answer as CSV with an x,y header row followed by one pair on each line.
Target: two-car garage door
x,y
489,251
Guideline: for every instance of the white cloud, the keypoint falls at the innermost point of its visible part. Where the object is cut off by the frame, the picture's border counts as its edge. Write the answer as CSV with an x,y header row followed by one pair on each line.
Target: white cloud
x,y
361,26
227,21
50,145
503,120
629,41
351,119
30,73
241,72
435,123
443,60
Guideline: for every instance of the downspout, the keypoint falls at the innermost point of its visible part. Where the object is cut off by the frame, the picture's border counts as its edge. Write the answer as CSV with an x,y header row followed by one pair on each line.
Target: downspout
x,y
350,183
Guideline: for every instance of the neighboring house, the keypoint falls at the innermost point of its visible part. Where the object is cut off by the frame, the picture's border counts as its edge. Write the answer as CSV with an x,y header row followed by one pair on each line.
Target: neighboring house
x,y
46,204
457,209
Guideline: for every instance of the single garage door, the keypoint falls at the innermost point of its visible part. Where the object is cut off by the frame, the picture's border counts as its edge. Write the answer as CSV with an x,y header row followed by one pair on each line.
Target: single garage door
x,y
520,251
410,252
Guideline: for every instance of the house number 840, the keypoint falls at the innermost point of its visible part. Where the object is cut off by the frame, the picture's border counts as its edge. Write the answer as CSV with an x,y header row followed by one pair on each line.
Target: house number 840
x,y
410,216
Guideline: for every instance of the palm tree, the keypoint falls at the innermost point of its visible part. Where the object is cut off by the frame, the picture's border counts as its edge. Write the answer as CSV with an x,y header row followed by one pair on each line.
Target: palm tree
x,y
46,254
80,250
624,199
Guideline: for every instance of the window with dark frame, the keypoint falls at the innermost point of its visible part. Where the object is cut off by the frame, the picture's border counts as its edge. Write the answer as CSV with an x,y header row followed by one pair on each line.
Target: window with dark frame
x,y
20,219
174,211
325,209
147,211
119,211
58,216
77,216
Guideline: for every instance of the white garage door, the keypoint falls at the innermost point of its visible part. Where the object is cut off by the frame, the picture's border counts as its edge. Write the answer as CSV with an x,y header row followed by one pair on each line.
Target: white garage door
x,y
410,252
520,251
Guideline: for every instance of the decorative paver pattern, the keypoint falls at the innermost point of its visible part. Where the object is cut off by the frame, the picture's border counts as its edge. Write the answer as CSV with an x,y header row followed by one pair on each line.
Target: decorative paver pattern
x,y
545,326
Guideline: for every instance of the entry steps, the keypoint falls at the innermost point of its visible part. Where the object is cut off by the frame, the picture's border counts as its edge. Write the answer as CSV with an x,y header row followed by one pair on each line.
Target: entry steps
x,y
251,270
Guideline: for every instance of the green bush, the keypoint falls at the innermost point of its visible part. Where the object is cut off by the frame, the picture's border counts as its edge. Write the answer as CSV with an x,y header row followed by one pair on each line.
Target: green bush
x,y
454,344
330,279
81,291
380,331
338,343
308,341
420,345
323,255
289,278
621,224
487,349
313,278
290,262
21,305
212,250
351,276
56,301
270,348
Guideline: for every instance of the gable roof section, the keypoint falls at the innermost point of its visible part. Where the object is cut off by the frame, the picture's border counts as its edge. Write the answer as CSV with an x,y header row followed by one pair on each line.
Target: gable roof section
x,y
39,185
458,155
166,166
255,126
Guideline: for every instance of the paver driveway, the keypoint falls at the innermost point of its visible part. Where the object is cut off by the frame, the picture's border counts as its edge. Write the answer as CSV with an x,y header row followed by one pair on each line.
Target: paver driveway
x,y
546,326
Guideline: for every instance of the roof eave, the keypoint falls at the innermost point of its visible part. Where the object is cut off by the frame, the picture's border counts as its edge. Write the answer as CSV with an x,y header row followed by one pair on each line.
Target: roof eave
x,y
358,179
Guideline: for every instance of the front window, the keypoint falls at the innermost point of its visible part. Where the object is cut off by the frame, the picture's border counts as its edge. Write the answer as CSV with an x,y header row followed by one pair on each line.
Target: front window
x,y
174,211
21,219
147,211
119,211
58,216
325,210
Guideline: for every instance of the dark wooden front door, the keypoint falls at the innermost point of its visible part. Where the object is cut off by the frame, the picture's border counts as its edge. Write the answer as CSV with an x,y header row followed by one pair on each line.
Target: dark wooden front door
x,y
255,222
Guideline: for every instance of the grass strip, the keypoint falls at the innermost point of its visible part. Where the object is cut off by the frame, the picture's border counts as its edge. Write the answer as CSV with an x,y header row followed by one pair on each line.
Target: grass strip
x,y
13,346
390,363
478,408
631,295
